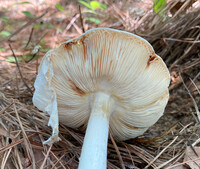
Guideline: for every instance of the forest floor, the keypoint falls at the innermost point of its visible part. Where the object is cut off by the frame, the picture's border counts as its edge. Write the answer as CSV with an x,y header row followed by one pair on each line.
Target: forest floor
x,y
174,32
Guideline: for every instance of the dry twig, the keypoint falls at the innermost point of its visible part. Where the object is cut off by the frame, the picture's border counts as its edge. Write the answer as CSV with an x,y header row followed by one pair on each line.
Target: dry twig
x,y
20,71
81,19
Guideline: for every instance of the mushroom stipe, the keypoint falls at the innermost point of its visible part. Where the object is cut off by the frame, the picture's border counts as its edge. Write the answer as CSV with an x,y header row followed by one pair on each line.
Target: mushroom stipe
x,y
108,79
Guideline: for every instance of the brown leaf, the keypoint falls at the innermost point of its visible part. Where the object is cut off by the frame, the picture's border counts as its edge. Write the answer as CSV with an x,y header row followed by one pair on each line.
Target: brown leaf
x,y
180,167
191,158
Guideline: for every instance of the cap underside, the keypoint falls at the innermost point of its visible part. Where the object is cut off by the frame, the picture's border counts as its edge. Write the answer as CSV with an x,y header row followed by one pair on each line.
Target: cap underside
x,y
115,62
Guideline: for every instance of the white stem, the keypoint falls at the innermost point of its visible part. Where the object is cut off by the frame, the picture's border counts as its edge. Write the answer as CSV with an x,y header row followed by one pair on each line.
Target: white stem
x,y
94,150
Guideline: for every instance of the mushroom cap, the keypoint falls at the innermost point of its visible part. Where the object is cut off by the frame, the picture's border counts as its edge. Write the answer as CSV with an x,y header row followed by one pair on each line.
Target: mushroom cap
x,y
121,64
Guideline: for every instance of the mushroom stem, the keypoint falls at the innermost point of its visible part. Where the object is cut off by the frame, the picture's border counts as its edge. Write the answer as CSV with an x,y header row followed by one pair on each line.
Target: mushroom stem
x,y
94,150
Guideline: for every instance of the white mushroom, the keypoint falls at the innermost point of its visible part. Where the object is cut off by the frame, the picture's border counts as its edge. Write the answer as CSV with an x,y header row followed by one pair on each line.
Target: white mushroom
x,y
110,79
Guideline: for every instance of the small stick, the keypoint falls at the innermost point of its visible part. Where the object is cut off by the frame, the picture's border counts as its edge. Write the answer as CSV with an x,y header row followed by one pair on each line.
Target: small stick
x,y
117,151
130,156
193,100
13,144
191,146
185,54
81,19
192,81
46,156
185,162
31,57
29,39
29,149
20,71
58,160
196,142
4,109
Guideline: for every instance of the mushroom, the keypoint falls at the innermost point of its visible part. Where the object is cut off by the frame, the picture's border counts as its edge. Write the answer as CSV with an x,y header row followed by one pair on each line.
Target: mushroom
x,y
106,79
